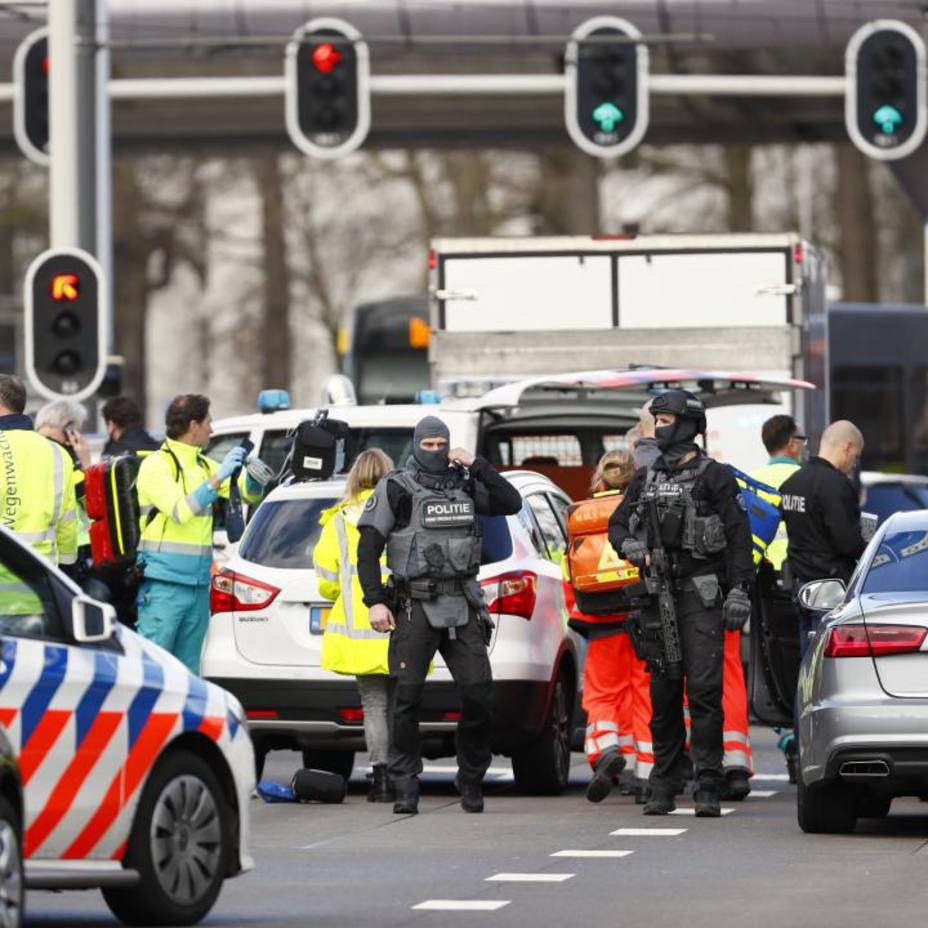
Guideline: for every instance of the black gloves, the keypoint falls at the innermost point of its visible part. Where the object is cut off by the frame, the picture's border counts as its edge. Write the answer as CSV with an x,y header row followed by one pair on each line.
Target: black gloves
x,y
635,552
736,609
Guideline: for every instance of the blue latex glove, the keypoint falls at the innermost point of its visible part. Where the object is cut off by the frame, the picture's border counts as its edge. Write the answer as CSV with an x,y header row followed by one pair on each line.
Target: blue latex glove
x,y
233,460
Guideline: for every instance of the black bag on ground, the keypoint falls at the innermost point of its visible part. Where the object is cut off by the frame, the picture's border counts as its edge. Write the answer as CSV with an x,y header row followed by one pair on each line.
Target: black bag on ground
x,y
318,786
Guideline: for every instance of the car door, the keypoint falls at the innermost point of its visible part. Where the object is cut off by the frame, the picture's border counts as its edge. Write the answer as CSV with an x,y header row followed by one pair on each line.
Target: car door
x,y
51,694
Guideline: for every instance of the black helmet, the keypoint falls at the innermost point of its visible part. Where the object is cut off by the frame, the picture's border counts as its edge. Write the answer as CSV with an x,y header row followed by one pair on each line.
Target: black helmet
x,y
683,404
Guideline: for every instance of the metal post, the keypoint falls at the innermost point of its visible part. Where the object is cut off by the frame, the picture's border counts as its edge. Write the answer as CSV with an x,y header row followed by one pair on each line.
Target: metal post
x,y
925,241
72,137
104,174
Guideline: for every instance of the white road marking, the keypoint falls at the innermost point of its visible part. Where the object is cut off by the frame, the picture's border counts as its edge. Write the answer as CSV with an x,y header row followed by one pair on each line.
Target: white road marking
x,y
592,853
725,811
649,832
461,905
762,793
529,877
782,777
499,773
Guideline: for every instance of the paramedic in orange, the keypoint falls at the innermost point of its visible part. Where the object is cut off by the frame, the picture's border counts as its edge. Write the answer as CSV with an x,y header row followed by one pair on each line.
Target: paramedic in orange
x,y
607,691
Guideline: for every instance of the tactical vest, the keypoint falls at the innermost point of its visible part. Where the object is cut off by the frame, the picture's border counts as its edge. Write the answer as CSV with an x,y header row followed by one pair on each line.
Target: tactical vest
x,y
685,522
437,555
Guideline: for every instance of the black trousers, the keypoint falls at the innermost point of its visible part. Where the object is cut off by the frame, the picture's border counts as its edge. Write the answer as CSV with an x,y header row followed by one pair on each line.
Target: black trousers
x,y
702,643
412,646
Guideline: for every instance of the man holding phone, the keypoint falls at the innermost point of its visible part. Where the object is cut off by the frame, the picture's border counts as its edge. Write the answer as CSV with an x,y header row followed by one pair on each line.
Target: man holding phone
x,y
425,515
178,486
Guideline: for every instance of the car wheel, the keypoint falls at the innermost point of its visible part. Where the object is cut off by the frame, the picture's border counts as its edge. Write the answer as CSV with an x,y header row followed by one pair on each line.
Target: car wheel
x,y
181,844
542,768
11,867
340,762
873,805
825,808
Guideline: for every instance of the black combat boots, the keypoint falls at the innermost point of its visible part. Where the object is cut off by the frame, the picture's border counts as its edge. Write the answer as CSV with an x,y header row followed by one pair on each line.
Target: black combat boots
x,y
381,787
737,786
609,765
659,804
471,795
407,797
708,804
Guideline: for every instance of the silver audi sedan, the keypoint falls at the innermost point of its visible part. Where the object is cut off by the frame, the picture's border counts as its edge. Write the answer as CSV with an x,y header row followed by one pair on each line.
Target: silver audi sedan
x,y
863,685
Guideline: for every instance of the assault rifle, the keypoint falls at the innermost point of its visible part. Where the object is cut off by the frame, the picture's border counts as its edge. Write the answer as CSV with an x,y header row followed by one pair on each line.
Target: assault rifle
x,y
660,624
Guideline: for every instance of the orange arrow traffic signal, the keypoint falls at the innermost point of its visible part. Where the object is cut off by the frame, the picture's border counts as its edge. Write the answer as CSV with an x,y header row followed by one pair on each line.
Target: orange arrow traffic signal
x,y
65,288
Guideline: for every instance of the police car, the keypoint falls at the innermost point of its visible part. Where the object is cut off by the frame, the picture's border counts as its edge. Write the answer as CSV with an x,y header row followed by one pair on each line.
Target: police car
x,y
135,774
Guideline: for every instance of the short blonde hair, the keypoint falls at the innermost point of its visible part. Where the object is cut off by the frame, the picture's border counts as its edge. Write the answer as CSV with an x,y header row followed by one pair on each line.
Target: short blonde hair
x,y
369,468
614,470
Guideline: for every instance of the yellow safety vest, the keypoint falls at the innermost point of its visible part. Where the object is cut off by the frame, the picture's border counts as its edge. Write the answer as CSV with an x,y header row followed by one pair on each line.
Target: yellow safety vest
x,y
349,645
177,531
38,503
774,475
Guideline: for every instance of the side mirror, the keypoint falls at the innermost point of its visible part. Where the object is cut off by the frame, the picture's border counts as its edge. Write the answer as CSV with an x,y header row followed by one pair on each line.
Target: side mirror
x,y
91,621
822,595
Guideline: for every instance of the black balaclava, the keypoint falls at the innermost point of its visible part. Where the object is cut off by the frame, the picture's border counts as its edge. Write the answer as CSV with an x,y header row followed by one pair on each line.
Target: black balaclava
x,y
678,440
432,462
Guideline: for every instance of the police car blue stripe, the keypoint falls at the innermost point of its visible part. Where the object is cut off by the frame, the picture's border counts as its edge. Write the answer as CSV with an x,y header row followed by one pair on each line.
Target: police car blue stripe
x,y
143,703
233,724
8,660
195,706
42,693
104,679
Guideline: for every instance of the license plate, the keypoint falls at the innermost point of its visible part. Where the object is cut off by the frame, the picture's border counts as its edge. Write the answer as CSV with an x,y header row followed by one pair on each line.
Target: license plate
x,y
318,619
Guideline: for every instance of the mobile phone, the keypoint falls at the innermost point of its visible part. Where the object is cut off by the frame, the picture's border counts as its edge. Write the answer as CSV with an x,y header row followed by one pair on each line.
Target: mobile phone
x,y
248,445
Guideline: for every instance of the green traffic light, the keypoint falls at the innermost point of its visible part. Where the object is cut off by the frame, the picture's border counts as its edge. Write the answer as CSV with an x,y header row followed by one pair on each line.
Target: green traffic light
x,y
888,118
607,116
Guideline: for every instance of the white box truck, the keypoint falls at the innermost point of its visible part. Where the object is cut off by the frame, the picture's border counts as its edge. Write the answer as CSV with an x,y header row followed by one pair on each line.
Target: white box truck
x,y
514,308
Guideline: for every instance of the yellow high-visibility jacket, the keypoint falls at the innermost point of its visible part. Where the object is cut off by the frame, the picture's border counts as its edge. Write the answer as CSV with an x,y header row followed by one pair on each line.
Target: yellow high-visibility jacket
x,y
349,645
177,512
38,494
774,473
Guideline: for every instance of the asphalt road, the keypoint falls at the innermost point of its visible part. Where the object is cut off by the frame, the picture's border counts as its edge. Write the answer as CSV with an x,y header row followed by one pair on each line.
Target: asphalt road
x,y
359,865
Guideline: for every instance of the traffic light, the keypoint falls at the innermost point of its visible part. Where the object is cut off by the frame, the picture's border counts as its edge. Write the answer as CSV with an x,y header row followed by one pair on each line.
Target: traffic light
x,y
30,97
67,320
327,88
885,109
606,101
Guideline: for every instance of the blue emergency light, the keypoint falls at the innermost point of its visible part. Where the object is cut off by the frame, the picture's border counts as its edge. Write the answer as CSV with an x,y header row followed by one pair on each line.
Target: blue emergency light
x,y
428,397
273,400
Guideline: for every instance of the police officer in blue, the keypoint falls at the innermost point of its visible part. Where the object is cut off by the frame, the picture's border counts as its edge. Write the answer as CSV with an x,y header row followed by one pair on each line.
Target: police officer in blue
x,y
425,515
706,538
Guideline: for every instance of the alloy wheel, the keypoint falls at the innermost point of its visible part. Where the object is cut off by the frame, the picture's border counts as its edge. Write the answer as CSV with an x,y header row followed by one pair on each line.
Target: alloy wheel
x,y
560,721
186,839
11,877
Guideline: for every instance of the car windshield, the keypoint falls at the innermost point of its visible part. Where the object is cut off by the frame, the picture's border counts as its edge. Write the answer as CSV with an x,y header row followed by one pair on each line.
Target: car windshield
x,y
900,564
883,499
284,532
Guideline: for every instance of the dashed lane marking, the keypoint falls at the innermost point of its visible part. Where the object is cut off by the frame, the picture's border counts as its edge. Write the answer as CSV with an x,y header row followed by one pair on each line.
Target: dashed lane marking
x,y
461,905
762,793
649,832
496,773
726,811
780,777
529,877
592,853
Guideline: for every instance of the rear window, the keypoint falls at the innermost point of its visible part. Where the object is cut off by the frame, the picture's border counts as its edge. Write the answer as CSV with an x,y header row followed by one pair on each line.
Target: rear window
x,y
540,450
900,565
284,532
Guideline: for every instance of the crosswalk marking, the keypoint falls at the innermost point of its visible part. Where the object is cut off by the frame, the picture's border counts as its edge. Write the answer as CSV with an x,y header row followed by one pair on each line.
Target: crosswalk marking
x,y
726,811
649,832
572,853
762,793
782,777
461,905
529,877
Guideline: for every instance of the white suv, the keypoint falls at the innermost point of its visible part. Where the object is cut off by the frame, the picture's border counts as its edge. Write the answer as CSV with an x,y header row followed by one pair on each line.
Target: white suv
x,y
264,640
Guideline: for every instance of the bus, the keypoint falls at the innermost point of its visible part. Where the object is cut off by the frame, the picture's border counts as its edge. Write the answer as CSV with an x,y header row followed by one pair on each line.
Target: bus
x,y
386,353
878,378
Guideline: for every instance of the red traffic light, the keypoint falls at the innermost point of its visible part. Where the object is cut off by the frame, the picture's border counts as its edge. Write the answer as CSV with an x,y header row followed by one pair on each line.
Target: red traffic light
x,y
66,288
325,58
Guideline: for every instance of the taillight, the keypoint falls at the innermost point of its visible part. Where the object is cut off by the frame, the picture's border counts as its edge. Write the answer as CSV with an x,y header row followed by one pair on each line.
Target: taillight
x,y
511,594
353,715
233,592
874,640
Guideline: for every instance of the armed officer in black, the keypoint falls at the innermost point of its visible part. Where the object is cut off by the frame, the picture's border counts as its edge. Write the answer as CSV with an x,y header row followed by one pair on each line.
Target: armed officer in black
x,y
705,534
426,517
